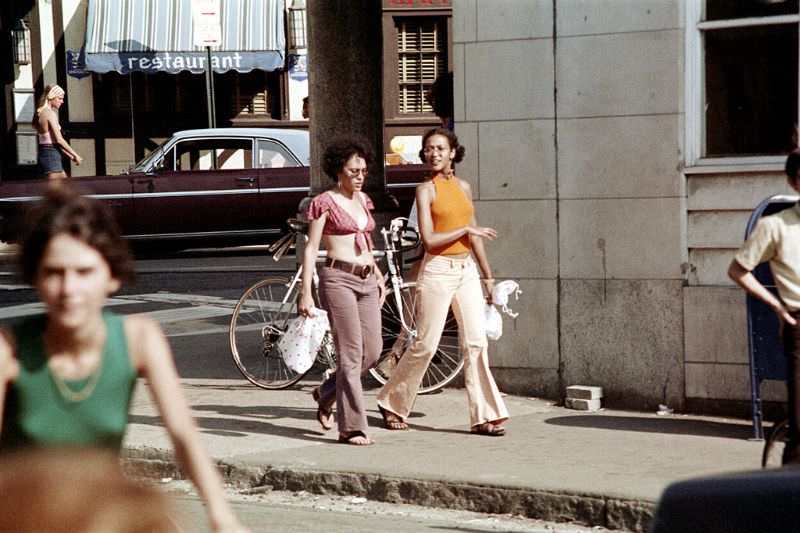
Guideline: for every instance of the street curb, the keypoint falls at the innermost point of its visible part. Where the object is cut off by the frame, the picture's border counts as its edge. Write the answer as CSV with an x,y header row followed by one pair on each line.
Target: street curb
x,y
556,506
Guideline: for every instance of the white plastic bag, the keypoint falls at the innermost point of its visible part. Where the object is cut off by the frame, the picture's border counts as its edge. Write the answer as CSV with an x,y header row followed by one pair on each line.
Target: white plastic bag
x,y
493,322
500,295
301,341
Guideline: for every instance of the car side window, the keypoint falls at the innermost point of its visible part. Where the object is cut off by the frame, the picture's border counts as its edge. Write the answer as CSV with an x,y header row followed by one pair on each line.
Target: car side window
x,y
273,155
210,154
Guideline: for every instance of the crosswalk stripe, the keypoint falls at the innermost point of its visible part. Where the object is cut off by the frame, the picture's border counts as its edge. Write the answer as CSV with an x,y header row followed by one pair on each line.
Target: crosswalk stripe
x,y
175,298
14,287
37,308
181,314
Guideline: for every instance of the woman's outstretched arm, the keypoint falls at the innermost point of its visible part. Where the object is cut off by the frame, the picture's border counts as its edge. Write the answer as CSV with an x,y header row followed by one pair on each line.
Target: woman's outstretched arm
x,y
152,357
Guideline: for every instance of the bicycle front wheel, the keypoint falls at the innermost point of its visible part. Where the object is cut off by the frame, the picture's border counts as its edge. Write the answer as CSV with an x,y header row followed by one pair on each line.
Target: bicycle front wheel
x,y
259,320
447,362
773,447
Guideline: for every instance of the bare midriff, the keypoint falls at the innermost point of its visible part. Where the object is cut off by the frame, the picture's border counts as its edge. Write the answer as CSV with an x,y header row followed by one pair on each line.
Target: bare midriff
x,y
343,248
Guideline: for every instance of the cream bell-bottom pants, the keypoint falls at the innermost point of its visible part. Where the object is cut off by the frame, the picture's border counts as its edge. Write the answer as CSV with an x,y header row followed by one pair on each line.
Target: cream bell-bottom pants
x,y
444,280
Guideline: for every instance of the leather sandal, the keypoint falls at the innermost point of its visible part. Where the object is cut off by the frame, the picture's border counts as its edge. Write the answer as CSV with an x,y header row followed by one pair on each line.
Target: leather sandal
x,y
324,414
489,429
356,438
391,420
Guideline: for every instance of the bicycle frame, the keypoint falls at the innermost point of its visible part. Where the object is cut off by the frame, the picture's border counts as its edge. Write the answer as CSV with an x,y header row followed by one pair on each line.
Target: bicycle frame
x,y
390,238
255,355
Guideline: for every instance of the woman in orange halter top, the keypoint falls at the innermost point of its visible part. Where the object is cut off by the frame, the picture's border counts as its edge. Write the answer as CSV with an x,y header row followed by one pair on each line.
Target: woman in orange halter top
x,y
448,276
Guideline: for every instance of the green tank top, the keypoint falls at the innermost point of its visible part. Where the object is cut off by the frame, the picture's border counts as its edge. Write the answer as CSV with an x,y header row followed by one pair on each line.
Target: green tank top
x,y
92,412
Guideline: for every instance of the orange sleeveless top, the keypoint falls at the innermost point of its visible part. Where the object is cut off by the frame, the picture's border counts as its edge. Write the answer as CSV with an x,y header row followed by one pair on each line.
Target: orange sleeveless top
x,y
450,209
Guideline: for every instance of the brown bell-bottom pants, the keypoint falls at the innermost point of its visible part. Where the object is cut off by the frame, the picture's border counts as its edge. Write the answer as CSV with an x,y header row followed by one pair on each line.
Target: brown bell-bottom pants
x,y
353,306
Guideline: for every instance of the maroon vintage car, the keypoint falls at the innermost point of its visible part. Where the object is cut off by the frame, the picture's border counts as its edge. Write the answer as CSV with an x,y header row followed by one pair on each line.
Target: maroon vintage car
x,y
225,185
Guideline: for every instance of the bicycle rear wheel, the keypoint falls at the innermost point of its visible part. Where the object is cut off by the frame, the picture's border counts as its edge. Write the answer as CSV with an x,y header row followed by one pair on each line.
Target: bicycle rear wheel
x,y
259,320
447,362
772,455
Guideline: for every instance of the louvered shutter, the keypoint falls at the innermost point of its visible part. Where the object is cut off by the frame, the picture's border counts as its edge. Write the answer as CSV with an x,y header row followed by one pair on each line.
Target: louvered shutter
x,y
420,60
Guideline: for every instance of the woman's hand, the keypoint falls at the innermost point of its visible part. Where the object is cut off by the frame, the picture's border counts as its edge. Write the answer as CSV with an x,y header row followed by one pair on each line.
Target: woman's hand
x,y
381,286
784,317
306,305
488,284
486,233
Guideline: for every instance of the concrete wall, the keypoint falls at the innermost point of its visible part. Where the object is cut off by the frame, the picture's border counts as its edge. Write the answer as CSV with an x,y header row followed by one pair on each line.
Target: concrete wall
x,y
571,115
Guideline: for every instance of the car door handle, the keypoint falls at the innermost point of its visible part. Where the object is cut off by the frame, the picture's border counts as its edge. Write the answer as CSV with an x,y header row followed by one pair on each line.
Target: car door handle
x,y
251,181
150,185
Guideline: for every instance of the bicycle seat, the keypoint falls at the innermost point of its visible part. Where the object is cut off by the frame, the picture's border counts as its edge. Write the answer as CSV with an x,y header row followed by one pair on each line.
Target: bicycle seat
x,y
297,224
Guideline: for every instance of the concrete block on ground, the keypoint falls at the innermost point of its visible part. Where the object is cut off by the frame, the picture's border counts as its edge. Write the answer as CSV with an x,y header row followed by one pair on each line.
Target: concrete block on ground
x,y
584,392
582,405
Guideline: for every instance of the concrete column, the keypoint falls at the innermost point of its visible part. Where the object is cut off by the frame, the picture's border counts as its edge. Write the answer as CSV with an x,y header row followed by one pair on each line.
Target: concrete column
x,y
345,74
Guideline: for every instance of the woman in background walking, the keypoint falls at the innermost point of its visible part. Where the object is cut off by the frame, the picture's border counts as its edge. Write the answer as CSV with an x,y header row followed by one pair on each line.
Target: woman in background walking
x,y
51,144
448,276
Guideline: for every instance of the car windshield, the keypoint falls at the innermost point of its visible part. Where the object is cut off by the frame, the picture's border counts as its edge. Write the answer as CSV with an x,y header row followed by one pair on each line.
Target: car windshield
x,y
148,162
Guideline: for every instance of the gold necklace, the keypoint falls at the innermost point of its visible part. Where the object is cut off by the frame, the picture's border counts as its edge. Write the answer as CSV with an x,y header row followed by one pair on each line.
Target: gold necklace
x,y
77,396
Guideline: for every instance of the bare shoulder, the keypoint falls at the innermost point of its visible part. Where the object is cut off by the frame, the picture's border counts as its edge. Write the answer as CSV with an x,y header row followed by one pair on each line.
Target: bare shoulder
x,y
465,186
8,360
426,185
141,325
426,188
144,336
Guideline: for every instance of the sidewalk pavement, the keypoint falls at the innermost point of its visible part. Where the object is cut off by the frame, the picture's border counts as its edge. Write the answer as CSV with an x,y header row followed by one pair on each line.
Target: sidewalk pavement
x,y
606,468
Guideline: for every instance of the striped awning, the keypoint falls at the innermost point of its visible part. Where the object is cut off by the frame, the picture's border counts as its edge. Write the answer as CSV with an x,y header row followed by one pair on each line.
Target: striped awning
x,y
157,36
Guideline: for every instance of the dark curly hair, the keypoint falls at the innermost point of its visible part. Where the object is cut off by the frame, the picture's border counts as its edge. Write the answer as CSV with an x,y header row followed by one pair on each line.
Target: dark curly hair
x,y
452,139
792,164
341,150
64,210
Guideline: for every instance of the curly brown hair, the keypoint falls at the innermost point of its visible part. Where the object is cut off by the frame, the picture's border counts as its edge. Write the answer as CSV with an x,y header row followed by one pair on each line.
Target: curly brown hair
x,y
341,150
64,210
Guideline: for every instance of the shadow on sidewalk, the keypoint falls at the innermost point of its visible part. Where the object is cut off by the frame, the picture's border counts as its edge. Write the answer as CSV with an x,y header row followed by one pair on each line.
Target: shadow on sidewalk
x,y
675,426
243,421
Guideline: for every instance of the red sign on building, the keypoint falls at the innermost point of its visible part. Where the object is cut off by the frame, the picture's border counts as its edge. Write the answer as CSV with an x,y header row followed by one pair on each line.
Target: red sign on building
x,y
416,4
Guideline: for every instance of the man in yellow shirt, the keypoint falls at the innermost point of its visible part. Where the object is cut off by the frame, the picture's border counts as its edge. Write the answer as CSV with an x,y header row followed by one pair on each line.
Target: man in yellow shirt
x,y
776,238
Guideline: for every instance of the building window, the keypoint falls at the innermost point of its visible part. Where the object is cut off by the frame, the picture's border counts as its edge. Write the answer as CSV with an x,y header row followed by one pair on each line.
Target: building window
x,y
743,72
421,58
182,96
151,95
254,93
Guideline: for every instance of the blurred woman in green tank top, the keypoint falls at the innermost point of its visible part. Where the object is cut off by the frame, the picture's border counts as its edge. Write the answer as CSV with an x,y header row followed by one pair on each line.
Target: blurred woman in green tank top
x,y
66,377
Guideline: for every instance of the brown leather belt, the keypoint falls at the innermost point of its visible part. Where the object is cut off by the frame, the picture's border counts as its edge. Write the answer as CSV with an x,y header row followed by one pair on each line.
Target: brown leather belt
x,y
351,268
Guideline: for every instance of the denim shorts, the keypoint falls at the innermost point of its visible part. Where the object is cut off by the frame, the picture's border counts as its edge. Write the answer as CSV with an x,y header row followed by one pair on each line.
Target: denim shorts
x,y
50,159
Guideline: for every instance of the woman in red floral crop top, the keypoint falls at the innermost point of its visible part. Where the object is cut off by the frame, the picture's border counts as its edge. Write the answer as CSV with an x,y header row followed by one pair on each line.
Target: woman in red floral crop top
x,y
350,286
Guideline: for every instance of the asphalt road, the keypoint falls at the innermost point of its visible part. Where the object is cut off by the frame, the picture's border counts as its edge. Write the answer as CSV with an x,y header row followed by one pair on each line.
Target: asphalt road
x,y
191,293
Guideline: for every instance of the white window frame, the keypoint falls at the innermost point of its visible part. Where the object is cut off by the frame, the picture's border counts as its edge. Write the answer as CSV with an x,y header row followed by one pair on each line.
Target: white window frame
x,y
695,97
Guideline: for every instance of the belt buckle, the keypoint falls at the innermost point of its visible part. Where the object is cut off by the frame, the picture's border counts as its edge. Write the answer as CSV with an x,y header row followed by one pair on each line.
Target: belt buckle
x,y
364,271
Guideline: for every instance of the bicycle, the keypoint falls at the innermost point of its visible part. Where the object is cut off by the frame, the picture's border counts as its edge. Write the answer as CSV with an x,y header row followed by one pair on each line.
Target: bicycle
x,y
772,456
266,308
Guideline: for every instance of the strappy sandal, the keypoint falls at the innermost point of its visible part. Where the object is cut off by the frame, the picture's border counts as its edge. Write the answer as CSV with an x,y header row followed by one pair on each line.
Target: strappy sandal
x,y
489,429
391,420
324,414
356,438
